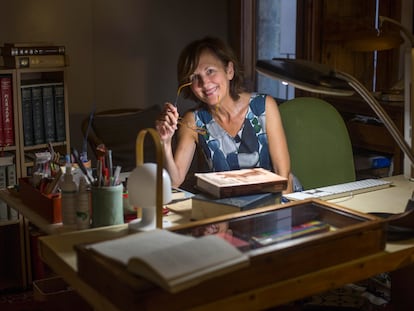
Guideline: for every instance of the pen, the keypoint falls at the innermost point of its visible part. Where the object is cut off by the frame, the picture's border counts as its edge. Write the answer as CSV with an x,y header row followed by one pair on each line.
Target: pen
x,y
110,168
116,175
81,165
99,172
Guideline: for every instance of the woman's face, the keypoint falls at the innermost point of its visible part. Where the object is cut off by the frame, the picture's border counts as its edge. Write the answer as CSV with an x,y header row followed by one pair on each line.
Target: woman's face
x,y
211,79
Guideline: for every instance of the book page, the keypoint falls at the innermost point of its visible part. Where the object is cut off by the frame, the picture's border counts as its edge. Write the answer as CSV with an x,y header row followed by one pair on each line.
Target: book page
x,y
172,260
188,257
123,249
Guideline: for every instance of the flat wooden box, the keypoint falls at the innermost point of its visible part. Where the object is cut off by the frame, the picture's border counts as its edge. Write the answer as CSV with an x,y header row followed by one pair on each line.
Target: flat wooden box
x,y
354,235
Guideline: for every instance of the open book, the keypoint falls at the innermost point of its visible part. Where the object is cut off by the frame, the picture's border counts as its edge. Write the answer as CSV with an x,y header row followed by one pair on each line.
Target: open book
x,y
171,260
240,182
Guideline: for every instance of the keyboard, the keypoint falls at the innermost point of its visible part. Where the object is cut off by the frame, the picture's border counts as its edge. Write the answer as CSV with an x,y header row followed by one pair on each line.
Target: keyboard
x,y
340,190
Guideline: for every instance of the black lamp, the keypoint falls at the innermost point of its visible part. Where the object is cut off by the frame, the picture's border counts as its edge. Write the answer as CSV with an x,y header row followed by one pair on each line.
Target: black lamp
x,y
318,78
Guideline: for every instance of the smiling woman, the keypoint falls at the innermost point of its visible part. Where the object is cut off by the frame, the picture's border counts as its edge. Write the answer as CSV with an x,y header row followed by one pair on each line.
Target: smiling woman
x,y
237,132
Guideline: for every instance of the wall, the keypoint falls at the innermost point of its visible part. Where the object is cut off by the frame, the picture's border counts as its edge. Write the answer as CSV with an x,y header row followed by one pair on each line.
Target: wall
x,y
122,53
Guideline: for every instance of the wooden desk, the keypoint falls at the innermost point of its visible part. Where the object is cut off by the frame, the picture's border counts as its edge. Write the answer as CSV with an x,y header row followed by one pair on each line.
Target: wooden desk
x,y
58,253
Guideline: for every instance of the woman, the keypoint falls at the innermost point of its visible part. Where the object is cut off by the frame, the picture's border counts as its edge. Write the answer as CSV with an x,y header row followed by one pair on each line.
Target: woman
x,y
235,129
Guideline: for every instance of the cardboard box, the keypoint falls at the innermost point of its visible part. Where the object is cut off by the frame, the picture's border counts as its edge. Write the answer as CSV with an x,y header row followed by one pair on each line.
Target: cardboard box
x,y
47,206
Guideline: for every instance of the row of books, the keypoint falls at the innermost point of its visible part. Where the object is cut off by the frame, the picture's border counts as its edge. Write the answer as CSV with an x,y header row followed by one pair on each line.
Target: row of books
x,y
33,55
6,111
7,178
43,113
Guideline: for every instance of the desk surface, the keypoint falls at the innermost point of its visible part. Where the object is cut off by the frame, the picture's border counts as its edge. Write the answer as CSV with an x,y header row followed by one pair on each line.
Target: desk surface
x,y
58,253
388,200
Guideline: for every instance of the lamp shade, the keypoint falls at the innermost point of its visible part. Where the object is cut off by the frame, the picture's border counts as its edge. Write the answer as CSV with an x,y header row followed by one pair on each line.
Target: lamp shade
x,y
309,76
142,189
143,192
371,41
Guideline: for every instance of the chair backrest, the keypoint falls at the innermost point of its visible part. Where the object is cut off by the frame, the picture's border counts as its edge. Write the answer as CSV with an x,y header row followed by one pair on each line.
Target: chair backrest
x,y
118,129
319,144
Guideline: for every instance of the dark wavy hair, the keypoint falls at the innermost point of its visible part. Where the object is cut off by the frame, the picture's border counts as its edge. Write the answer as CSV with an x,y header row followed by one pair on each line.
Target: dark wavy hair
x,y
190,56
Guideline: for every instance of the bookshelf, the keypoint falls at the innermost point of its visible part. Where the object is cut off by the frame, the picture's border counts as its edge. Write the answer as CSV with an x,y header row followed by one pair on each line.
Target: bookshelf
x,y
15,266
40,81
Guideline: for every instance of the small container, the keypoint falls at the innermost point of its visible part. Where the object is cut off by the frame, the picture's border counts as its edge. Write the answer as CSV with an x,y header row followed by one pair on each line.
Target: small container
x,y
107,206
69,197
83,206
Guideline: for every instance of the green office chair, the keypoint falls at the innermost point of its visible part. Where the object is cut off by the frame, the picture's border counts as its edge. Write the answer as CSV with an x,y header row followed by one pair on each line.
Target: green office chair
x,y
319,144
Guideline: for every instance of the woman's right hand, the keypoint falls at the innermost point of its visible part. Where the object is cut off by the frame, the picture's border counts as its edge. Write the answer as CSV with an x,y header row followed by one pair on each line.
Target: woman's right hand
x,y
167,122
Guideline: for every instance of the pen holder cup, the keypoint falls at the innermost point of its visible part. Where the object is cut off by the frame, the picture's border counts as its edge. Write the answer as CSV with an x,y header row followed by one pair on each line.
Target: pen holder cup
x,y
107,206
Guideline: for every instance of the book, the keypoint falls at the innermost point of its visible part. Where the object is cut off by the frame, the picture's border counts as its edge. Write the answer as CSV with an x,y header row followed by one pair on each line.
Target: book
x,y
29,44
38,122
6,159
1,119
27,116
11,50
240,182
204,206
173,261
59,100
178,194
49,113
6,107
35,61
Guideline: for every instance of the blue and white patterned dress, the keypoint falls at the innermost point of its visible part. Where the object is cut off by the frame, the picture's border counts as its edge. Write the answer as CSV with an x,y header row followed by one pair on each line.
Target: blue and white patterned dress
x,y
249,148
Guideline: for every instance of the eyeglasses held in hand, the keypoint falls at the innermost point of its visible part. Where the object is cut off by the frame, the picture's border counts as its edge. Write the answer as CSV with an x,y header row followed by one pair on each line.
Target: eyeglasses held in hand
x,y
198,130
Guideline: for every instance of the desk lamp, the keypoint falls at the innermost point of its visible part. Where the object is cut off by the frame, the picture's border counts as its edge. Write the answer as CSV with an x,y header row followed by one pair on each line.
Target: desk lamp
x,y
149,185
408,77
385,40
318,78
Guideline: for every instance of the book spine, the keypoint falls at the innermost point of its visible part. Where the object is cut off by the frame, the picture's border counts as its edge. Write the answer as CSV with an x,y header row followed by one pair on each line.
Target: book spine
x,y
7,111
2,143
27,115
60,113
34,61
38,123
11,175
48,113
32,50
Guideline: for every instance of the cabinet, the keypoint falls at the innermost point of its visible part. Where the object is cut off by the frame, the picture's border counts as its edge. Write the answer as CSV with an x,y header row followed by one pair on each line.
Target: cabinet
x,y
370,136
51,116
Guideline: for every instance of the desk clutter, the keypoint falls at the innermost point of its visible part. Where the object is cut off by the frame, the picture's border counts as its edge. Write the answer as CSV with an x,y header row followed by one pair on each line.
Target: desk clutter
x,y
74,193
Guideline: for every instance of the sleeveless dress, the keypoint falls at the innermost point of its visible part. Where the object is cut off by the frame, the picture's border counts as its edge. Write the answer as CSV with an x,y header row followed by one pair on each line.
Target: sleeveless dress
x,y
248,149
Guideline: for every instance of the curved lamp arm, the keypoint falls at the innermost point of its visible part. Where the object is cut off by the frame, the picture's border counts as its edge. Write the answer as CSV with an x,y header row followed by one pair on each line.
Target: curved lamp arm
x,y
139,149
403,29
379,111
326,80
